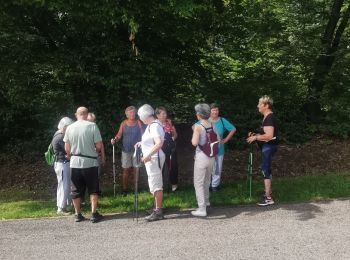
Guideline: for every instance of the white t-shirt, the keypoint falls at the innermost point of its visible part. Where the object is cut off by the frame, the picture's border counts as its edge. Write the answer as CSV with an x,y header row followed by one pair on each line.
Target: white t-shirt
x,y
152,131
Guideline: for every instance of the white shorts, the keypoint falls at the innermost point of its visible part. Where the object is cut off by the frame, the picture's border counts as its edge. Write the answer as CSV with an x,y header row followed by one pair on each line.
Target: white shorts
x,y
154,173
127,160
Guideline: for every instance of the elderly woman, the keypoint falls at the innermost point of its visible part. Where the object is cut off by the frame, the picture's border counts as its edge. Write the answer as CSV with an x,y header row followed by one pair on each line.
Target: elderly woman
x,y
169,147
101,156
203,164
61,167
267,138
153,157
130,132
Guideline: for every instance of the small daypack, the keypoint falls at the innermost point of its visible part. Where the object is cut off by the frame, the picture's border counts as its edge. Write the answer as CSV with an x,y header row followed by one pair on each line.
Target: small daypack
x,y
168,144
50,156
211,146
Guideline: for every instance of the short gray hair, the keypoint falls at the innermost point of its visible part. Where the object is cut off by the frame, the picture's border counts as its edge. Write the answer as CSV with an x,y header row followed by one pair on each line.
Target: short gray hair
x,y
266,100
65,121
203,110
92,117
130,108
145,111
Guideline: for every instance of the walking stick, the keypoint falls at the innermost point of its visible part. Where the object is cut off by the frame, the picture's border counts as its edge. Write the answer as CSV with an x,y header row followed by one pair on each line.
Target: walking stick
x,y
137,157
250,171
114,183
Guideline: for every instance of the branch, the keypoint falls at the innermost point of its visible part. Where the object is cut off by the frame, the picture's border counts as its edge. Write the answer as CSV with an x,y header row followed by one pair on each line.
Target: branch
x,y
340,30
332,22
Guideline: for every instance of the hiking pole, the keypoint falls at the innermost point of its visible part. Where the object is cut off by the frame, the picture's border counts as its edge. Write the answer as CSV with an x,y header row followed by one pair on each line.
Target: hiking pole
x,y
137,157
250,171
114,183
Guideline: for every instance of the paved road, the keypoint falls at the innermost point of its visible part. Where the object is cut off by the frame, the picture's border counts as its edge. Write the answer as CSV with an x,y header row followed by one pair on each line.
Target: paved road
x,y
297,231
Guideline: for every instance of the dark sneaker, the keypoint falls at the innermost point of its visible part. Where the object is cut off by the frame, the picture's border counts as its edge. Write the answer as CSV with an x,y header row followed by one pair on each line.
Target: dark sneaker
x,y
78,217
266,201
156,215
96,217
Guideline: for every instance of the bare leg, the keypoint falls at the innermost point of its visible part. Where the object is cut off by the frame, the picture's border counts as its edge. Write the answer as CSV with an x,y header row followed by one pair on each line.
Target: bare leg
x,y
125,178
268,184
158,196
93,199
76,204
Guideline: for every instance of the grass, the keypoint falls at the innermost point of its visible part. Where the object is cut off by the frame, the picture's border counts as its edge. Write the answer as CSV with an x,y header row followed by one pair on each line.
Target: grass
x,y
26,204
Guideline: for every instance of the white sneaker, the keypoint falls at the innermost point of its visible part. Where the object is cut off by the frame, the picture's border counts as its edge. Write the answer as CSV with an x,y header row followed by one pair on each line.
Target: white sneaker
x,y
173,188
199,213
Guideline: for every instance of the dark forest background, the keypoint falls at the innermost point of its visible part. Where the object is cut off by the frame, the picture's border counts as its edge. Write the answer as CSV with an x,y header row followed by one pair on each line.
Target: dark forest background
x,y
106,55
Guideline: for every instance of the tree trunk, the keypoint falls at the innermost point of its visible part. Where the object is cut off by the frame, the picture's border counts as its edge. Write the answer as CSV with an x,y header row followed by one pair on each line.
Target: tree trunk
x,y
330,43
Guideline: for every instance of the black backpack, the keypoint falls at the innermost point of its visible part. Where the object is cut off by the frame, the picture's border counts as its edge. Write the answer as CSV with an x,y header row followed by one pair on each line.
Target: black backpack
x,y
168,144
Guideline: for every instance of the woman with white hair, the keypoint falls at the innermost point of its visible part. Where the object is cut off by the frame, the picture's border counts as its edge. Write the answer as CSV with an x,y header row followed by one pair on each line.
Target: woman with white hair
x,y
153,157
61,166
203,164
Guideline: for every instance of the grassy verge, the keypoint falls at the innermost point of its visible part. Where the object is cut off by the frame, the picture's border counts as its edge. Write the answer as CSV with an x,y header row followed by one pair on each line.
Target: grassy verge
x,y
25,204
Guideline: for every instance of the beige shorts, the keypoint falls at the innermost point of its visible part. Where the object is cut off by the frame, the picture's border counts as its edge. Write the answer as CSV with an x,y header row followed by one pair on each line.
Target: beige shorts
x,y
127,160
154,173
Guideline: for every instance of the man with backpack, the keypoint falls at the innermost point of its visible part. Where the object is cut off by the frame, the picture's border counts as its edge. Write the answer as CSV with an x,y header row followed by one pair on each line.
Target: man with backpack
x,y
222,125
206,140
130,131
83,143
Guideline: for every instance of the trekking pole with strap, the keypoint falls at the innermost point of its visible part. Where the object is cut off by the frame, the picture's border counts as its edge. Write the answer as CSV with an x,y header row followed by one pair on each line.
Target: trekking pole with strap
x,y
137,159
114,183
250,171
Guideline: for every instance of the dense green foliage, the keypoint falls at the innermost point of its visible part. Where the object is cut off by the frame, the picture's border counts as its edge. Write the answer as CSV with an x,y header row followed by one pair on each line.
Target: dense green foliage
x,y
106,55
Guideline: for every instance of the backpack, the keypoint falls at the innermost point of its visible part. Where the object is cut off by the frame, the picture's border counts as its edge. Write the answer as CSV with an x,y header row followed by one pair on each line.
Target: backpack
x,y
50,156
211,147
168,144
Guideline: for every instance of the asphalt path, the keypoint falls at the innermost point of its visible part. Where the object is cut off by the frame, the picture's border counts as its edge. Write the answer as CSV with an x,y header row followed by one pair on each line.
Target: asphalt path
x,y
295,231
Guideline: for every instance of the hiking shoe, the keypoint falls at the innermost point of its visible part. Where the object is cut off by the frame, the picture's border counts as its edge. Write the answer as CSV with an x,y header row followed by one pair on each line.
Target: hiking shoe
x,y
266,201
79,217
96,217
199,213
63,212
156,215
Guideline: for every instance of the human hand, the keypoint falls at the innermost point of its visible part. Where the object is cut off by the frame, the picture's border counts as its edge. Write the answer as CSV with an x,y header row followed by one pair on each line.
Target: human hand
x,y
146,158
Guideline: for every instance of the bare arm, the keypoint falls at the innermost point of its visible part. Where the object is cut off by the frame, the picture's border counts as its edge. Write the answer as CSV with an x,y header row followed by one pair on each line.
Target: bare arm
x,y
196,134
173,131
267,136
119,135
229,136
67,149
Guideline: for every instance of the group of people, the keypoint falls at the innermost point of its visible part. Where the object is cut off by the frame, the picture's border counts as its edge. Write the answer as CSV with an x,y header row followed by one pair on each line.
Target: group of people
x,y
79,154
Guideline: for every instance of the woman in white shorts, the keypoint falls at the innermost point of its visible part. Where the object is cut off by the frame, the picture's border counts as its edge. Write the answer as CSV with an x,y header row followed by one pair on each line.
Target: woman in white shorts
x,y
153,157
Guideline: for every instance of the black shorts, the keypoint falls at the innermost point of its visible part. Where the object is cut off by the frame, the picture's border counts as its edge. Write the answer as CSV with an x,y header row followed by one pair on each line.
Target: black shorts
x,y
82,179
